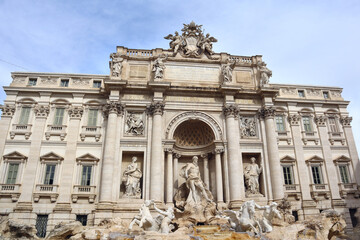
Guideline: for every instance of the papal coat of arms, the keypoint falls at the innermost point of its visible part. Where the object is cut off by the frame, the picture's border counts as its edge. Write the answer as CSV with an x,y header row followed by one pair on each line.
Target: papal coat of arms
x,y
192,42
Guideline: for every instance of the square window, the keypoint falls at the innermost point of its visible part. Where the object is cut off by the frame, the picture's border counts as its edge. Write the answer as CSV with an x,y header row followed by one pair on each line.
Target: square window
x,y
32,81
326,95
64,83
301,93
97,84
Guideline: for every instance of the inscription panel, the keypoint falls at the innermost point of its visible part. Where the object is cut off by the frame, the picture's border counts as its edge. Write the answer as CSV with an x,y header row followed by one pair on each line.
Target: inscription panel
x,y
192,99
138,71
192,73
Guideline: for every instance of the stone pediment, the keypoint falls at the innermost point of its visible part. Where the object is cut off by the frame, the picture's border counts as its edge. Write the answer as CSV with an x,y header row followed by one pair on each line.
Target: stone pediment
x,y
342,158
314,159
88,158
287,158
51,156
14,155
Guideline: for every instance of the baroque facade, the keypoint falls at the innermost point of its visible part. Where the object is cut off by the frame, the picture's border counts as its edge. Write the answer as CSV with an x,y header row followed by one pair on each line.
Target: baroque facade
x,y
90,147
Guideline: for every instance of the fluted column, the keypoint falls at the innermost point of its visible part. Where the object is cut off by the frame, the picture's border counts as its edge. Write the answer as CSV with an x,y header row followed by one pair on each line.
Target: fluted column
x,y
346,123
175,172
111,110
169,176
219,179
206,169
237,192
268,114
156,165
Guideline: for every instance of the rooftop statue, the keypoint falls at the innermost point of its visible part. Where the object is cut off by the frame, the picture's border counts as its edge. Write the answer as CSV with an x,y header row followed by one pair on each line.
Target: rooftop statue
x,y
192,43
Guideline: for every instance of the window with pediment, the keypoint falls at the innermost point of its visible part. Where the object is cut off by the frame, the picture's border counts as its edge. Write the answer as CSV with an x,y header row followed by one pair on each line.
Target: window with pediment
x,y
50,169
13,167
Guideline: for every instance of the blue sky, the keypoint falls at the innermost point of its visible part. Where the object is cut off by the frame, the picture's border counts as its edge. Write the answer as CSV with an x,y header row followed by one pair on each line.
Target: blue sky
x,y
303,42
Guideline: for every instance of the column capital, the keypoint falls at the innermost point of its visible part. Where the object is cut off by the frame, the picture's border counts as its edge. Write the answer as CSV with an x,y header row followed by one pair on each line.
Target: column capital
x,y
294,119
156,108
76,112
320,120
346,121
113,107
8,110
169,150
41,111
267,112
177,155
219,150
230,110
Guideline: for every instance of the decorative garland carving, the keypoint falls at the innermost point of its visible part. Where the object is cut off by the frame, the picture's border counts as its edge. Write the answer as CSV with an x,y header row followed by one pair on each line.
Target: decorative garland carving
x,y
266,112
156,108
8,110
76,112
230,110
194,116
41,110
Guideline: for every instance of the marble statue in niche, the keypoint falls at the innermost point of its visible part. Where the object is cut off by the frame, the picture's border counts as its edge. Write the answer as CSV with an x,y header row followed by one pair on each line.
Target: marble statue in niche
x,y
248,127
131,179
252,173
134,124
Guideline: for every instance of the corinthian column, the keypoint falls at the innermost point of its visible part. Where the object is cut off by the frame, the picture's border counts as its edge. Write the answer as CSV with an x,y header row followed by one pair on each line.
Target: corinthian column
x,y
235,163
156,162
111,110
268,114
219,179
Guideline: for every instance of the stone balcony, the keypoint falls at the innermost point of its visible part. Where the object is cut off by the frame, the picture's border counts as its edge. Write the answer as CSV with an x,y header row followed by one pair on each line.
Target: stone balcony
x,y
318,190
310,137
21,129
336,137
292,190
12,190
87,192
90,131
56,130
348,188
46,191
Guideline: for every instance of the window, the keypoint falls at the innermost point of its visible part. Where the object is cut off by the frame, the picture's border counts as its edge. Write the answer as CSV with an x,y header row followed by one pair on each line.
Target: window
x,y
316,173
288,179
59,116
24,115
344,173
86,175
41,224
280,125
332,124
326,95
12,173
49,174
301,93
64,83
97,84
32,81
92,117
82,219
307,123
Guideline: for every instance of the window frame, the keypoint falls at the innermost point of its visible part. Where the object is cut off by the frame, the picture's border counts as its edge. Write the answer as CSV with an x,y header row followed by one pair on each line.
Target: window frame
x,y
96,117
301,93
86,160
55,121
282,116
346,162
13,158
21,116
32,82
64,82
311,127
95,82
316,161
288,161
50,158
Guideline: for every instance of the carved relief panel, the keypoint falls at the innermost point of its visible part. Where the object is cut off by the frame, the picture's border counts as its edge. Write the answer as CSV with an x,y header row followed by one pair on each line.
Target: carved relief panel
x,y
134,123
248,127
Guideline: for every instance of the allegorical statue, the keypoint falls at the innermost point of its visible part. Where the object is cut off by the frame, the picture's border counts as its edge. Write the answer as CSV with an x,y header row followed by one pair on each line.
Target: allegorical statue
x,y
158,67
131,179
116,65
191,173
134,125
265,73
270,212
252,173
166,226
226,71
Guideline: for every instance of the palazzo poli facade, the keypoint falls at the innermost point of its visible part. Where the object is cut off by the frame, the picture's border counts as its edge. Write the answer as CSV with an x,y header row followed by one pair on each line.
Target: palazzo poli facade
x,y
70,143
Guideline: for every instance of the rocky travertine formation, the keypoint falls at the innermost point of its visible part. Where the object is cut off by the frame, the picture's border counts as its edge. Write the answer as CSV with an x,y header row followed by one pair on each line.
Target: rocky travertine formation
x,y
10,229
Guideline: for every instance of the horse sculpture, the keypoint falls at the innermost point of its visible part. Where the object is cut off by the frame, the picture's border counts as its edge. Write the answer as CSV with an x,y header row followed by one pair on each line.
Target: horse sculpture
x,y
244,220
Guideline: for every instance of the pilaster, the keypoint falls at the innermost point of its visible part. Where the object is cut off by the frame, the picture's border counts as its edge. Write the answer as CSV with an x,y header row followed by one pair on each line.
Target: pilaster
x,y
5,123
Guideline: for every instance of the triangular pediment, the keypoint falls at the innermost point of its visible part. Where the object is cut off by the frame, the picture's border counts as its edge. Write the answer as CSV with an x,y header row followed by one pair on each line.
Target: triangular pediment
x,y
342,158
14,155
51,156
315,158
287,158
88,157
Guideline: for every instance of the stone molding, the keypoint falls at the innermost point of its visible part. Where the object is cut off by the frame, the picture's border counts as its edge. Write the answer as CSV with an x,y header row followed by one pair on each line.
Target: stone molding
x,y
8,110
76,112
267,112
218,150
231,110
346,121
294,119
320,120
113,107
156,108
41,110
